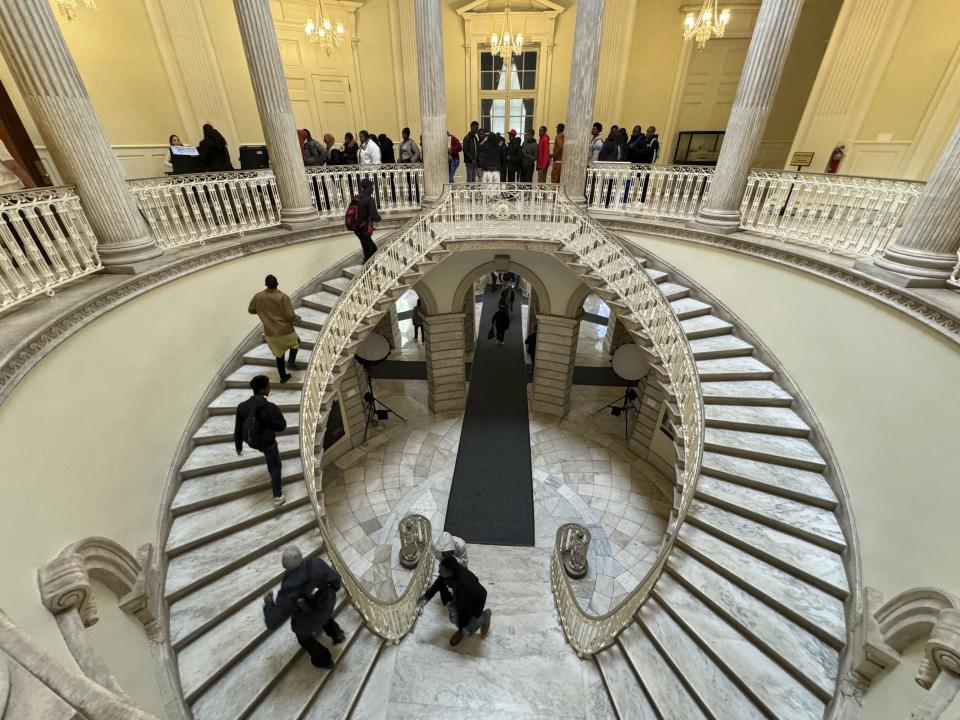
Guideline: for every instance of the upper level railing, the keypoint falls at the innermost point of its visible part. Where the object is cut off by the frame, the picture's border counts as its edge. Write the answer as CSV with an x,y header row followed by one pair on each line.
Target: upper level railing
x,y
45,241
396,187
539,212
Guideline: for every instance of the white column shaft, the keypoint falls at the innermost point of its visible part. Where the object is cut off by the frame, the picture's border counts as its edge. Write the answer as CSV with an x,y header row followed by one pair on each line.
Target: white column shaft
x,y
433,96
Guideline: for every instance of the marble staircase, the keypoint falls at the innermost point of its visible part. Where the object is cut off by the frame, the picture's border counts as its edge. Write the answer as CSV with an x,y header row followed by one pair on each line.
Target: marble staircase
x,y
748,619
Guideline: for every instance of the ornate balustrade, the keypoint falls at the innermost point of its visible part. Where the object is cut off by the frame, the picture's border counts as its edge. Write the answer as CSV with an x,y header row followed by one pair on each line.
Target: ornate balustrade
x,y
657,191
189,208
539,213
396,187
45,241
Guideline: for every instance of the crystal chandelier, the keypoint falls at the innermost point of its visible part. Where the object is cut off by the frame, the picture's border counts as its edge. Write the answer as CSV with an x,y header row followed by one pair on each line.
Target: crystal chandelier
x,y
709,23
68,8
506,45
322,31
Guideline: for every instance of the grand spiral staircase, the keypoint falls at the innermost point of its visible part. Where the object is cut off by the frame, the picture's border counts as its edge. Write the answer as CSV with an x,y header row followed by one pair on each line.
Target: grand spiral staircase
x,y
747,621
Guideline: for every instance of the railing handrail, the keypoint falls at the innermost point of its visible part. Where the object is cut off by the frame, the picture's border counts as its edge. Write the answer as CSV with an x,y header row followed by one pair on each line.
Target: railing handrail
x,y
198,177
330,169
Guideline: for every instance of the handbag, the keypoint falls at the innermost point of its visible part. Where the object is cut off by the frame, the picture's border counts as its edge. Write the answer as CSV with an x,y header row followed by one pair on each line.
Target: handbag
x,y
490,334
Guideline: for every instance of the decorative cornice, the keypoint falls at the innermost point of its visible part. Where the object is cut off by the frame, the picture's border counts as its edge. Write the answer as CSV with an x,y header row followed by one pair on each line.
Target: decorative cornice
x,y
899,299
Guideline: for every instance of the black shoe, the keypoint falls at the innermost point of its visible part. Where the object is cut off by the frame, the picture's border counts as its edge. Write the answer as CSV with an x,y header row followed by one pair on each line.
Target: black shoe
x,y
284,378
323,663
338,637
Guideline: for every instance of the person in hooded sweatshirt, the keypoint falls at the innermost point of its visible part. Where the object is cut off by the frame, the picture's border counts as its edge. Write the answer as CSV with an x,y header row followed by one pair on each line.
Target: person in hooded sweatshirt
x,y
307,596
466,599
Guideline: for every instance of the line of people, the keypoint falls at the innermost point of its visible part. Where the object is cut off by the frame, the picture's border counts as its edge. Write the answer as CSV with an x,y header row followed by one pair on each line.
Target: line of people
x,y
489,157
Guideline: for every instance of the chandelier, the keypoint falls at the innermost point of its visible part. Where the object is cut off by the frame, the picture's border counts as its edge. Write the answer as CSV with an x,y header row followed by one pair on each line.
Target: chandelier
x,y
68,8
709,23
506,45
322,31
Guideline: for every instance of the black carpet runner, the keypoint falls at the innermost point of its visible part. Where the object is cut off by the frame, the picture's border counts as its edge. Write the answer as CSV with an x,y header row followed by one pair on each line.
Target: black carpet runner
x,y
491,499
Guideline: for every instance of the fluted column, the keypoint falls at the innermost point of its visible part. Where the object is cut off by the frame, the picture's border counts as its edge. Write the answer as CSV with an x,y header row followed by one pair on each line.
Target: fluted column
x,y
48,79
273,104
926,251
751,107
583,91
433,96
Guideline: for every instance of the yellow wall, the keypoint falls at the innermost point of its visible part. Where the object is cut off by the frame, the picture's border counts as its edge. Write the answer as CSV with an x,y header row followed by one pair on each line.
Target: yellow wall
x,y
90,432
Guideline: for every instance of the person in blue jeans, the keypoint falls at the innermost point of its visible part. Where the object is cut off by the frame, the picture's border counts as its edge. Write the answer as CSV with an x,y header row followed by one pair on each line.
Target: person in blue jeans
x,y
453,151
257,423
471,151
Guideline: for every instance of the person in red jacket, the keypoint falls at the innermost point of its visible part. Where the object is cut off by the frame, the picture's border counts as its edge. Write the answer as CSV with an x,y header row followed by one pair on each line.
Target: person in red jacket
x,y
453,151
543,155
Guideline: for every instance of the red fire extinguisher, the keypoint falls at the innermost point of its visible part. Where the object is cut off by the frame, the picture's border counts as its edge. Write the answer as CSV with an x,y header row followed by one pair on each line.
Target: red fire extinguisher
x,y
835,157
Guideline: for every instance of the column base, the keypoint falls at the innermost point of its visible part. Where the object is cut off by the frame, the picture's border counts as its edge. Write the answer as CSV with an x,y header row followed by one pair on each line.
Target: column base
x,y
299,218
717,221
129,259
912,268
872,267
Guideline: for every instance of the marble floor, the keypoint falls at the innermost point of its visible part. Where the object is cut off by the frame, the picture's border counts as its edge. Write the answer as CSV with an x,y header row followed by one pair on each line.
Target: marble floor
x,y
591,338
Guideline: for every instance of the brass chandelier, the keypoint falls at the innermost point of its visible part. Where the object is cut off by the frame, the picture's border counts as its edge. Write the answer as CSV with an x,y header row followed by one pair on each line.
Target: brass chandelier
x,y
322,31
506,44
708,23
68,8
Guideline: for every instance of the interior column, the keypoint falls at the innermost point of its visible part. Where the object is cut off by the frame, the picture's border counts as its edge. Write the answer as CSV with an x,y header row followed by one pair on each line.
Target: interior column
x,y
446,378
554,364
43,69
433,97
755,93
262,50
583,91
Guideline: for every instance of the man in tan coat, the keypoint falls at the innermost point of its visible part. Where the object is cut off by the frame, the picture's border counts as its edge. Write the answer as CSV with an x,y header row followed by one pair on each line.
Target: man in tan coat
x,y
557,154
276,313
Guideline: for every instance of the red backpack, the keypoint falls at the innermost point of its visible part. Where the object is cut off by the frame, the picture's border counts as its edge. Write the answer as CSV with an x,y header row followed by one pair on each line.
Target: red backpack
x,y
350,219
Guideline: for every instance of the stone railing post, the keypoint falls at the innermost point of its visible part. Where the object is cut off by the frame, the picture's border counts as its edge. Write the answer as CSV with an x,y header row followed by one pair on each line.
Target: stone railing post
x,y
433,97
583,91
762,69
262,50
46,75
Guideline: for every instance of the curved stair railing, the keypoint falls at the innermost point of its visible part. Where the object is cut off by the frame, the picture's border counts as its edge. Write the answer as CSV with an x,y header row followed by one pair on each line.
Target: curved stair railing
x,y
499,210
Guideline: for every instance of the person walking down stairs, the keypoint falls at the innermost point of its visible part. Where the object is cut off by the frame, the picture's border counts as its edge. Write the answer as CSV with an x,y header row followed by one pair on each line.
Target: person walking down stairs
x,y
277,316
500,322
257,423
307,596
367,214
465,601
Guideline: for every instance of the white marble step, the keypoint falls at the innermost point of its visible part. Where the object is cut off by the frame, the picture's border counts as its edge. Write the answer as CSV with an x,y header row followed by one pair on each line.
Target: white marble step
x,y
707,683
811,523
640,260
720,346
795,452
351,271
206,563
664,688
241,377
689,308
203,608
295,689
195,528
803,559
674,291
336,286
322,300
310,318
768,683
263,355
244,684
656,275
219,428
596,698
627,695
805,485
734,368
219,456
337,699
226,402
808,658
212,488
820,613
705,326
756,418
745,392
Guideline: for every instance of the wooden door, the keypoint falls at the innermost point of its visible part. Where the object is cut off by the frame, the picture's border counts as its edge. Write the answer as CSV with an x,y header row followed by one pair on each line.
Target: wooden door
x,y
15,137
334,108
711,84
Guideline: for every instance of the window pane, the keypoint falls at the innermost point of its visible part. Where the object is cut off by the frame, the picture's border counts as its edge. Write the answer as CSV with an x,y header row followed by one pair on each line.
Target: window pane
x,y
502,71
527,81
486,61
486,80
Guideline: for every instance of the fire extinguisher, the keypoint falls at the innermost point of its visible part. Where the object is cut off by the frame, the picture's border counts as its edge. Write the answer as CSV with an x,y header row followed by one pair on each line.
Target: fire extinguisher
x,y
835,157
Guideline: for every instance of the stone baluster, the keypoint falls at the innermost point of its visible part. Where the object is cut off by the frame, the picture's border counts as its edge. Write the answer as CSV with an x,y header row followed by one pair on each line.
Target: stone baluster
x,y
926,252
47,77
583,91
262,50
433,97
748,117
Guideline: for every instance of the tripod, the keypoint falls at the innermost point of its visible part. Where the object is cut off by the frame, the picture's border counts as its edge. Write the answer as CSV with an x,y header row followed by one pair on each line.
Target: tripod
x,y
622,407
372,414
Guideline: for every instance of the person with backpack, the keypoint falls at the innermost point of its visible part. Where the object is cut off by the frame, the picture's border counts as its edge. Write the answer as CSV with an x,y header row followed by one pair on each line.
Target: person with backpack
x,y
257,423
361,214
307,596
465,598
277,317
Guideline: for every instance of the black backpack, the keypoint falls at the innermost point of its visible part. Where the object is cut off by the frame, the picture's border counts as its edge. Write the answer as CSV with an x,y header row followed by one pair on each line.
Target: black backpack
x,y
254,433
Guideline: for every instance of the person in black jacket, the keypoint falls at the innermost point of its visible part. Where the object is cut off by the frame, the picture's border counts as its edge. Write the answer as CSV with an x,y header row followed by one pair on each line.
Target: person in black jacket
x,y
528,158
514,157
308,595
387,154
213,150
257,423
471,151
351,151
367,214
464,597
489,157
500,322
609,152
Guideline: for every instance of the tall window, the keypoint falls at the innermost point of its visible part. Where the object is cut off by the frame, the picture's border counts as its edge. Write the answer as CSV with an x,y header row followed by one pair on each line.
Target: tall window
x,y
507,92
